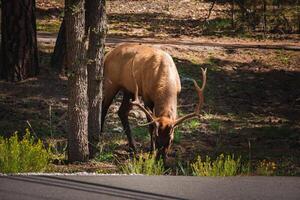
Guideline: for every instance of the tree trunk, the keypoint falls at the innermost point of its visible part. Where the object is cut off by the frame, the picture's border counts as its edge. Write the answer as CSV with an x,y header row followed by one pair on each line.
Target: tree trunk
x,y
77,74
97,34
58,58
19,42
265,16
298,15
232,15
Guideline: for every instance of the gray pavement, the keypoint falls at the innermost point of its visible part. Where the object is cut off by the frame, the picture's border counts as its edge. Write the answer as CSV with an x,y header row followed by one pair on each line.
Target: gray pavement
x,y
148,187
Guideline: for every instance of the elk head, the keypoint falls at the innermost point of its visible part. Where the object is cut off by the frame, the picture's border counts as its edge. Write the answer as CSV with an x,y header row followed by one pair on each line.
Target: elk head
x,y
164,127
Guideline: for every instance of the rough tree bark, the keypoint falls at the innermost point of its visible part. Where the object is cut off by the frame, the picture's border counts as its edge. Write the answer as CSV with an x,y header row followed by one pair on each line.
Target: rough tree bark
x,y
77,79
298,15
58,57
265,16
96,17
232,15
19,43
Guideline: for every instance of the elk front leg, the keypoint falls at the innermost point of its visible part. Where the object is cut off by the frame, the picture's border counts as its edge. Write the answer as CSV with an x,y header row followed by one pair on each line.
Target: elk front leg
x,y
150,106
152,135
123,114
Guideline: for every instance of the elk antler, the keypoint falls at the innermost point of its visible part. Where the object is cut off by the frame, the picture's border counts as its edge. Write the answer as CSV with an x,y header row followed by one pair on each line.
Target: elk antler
x,y
196,113
137,102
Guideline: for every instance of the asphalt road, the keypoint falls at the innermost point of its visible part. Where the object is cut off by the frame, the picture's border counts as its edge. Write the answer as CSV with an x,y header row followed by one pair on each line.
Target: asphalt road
x,y
148,187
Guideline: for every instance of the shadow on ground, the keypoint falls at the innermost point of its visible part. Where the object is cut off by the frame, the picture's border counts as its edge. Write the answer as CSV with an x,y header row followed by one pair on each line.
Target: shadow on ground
x,y
30,101
252,109
161,23
255,110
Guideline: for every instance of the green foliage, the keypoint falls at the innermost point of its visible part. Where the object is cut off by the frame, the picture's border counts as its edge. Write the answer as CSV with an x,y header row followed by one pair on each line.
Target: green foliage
x,y
192,124
51,26
145,164
222,166
140,133
183,169
266,168
106,151
105,157
177,136
215,125
217,24
57,151
24,155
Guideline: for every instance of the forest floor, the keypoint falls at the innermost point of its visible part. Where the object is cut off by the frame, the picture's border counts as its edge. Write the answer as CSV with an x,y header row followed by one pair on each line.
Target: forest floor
x,y
252,105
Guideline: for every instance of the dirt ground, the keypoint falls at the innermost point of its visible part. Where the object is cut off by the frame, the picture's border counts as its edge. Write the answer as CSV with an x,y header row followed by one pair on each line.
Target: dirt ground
x,y
252,105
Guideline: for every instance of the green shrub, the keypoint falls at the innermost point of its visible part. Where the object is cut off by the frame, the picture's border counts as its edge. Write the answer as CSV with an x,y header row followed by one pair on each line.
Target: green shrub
x,y
24,155
266,168
222,166
140,133
177,137
145,164
105,157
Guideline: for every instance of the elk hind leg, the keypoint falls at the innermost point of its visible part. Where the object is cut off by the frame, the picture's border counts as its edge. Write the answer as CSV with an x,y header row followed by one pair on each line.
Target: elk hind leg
x,y
123,114
109,93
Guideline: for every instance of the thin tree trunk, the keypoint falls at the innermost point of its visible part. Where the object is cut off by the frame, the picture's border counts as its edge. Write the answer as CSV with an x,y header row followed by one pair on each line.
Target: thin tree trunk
x,y
19,42
97,34
265,16
210,10
58,58
232,15
298,13
77,74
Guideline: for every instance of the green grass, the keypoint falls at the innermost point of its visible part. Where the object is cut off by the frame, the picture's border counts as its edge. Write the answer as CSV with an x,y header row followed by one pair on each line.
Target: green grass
x,y
283,57
192,124
145,164
215,125
105,157
216,25
26,155
141,133
50,26
266,168
226,165
106,152
177,137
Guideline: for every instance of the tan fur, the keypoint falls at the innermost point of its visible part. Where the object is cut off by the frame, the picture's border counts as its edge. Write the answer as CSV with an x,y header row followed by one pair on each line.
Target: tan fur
x,y
158,83
155,72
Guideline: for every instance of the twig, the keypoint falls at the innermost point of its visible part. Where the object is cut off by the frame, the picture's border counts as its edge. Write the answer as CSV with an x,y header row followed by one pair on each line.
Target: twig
x,y
210,10
31,129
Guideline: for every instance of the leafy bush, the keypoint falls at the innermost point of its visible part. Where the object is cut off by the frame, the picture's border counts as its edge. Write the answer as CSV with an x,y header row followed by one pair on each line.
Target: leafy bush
x,y
24,155
177,137
222,166
266,168
145,164
105,157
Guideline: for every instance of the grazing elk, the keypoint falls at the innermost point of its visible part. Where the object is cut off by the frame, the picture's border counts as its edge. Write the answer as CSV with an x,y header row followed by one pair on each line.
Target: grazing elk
x,y
141,70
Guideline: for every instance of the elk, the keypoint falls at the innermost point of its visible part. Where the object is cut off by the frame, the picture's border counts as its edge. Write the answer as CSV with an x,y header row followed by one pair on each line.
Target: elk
x,y
142,70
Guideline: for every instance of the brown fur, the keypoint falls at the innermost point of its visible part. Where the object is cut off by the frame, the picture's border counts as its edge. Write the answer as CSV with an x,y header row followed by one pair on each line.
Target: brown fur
x,y
158,85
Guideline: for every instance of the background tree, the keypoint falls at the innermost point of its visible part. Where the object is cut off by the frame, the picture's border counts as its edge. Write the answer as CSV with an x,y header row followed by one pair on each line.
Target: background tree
x,y
96,28
58,58
77,80
19,56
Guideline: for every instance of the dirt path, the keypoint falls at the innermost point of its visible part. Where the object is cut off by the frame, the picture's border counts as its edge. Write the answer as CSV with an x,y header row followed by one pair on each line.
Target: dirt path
x,y
202,42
